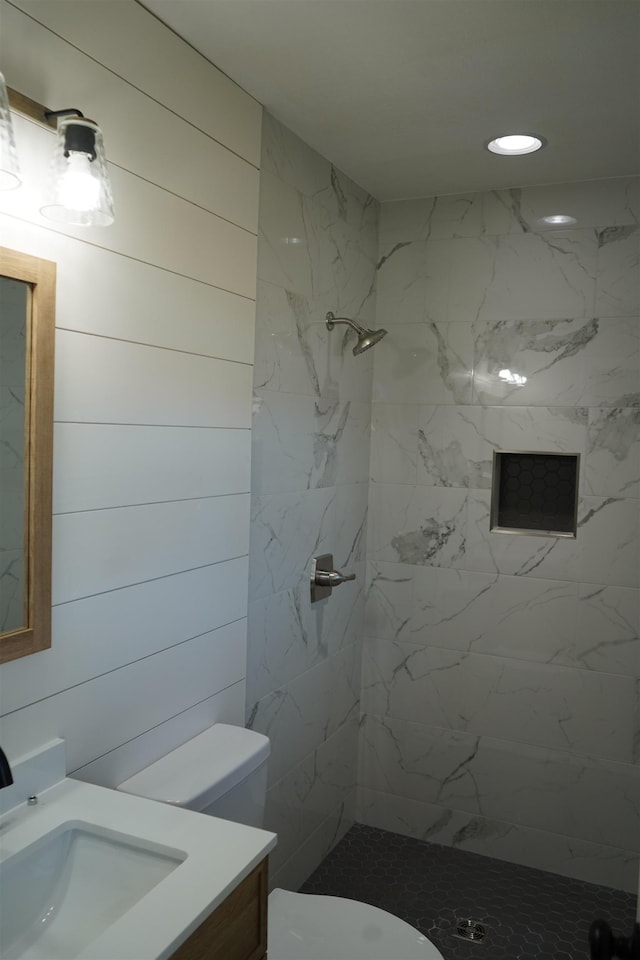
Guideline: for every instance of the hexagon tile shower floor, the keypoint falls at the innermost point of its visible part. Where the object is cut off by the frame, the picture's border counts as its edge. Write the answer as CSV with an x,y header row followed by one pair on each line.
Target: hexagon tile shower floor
x,y
526,914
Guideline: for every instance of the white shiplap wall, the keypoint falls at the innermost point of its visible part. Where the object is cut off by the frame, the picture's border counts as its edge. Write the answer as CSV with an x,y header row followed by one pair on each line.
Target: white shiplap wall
x,y
154,355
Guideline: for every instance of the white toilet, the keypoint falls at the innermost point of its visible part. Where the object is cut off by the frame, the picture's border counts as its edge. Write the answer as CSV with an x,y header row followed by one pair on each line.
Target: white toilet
x,y
223,772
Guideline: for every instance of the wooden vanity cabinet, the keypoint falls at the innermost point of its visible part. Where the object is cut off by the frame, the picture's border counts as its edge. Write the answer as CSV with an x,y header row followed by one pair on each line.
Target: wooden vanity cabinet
x,y
237,929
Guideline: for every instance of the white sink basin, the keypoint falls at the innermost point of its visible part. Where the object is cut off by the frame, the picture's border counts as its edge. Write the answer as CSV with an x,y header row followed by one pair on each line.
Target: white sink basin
x,y
94,874
60,893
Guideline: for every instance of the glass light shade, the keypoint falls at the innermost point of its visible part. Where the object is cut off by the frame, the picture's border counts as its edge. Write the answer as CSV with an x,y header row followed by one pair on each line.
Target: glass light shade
x,y
516,144
79,189
9,168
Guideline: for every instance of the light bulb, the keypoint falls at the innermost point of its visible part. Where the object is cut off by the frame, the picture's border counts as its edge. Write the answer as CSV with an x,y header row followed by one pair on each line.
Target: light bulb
x,y
78,189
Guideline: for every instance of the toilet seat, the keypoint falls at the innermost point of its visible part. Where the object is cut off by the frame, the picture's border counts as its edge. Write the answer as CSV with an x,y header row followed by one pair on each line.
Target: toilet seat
x,y
311,927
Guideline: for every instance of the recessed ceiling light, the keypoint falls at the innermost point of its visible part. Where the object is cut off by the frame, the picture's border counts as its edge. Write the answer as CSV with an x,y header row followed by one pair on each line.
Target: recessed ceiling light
x,y
559,218
516,144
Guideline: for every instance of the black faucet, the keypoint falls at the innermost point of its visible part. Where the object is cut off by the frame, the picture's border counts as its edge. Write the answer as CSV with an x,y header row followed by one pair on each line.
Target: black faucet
x,y
6,777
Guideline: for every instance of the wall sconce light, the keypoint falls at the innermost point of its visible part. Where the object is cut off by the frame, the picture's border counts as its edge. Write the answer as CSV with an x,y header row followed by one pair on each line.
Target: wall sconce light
x,y
79,190
9,167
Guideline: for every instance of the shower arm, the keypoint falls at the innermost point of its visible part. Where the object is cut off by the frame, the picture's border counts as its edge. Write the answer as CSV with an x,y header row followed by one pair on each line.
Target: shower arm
x,y
332,320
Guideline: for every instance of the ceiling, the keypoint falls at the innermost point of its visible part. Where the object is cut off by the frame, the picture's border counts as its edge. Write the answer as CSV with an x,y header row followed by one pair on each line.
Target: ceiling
x,y
402,94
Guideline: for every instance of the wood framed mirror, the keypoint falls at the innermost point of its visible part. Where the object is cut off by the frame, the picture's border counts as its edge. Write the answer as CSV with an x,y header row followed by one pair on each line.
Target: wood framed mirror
x,y
27,335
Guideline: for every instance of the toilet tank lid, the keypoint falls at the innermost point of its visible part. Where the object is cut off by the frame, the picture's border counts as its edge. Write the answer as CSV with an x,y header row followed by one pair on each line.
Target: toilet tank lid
x,y
202,769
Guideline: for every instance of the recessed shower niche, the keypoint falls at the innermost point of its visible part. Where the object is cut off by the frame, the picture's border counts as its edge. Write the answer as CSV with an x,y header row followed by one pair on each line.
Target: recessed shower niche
x,y
535,493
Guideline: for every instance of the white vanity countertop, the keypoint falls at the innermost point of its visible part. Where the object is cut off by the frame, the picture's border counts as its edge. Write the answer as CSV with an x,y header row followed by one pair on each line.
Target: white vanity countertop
x,y
219,854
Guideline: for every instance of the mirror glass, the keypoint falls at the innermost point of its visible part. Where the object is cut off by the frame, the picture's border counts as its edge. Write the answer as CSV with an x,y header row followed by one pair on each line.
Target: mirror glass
x,y
27,325
13,378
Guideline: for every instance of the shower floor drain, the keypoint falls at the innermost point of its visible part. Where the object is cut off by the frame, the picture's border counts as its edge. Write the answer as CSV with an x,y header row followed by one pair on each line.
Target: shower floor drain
x,y
469,929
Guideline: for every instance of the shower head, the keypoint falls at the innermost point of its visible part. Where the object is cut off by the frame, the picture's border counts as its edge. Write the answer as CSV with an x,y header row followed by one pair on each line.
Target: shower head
x,y
366,338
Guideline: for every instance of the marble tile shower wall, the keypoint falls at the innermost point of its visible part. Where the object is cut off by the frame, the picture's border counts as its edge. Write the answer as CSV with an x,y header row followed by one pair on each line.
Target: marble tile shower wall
x,y
500,673
310,470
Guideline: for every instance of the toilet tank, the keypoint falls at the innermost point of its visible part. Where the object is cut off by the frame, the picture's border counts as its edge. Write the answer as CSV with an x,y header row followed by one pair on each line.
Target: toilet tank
x,y
221,772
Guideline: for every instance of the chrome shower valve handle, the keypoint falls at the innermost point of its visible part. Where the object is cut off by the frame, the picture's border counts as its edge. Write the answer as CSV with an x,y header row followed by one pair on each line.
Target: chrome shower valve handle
x,y
332,578
324,578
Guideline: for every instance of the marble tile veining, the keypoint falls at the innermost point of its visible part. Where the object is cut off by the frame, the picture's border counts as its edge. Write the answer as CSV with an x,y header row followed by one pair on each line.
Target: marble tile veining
x,y
417,525
394,436
425,363
547,356
608,629
517,211
300,442
503,780
456,444
492,278
295,353
317,251
612,464
591,714
499,705
618,286
605,550
500,698
525,618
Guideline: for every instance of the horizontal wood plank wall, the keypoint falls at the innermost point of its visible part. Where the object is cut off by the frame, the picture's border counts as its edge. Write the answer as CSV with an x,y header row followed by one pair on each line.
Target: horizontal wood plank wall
x,y
136,46
176,155
154,344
